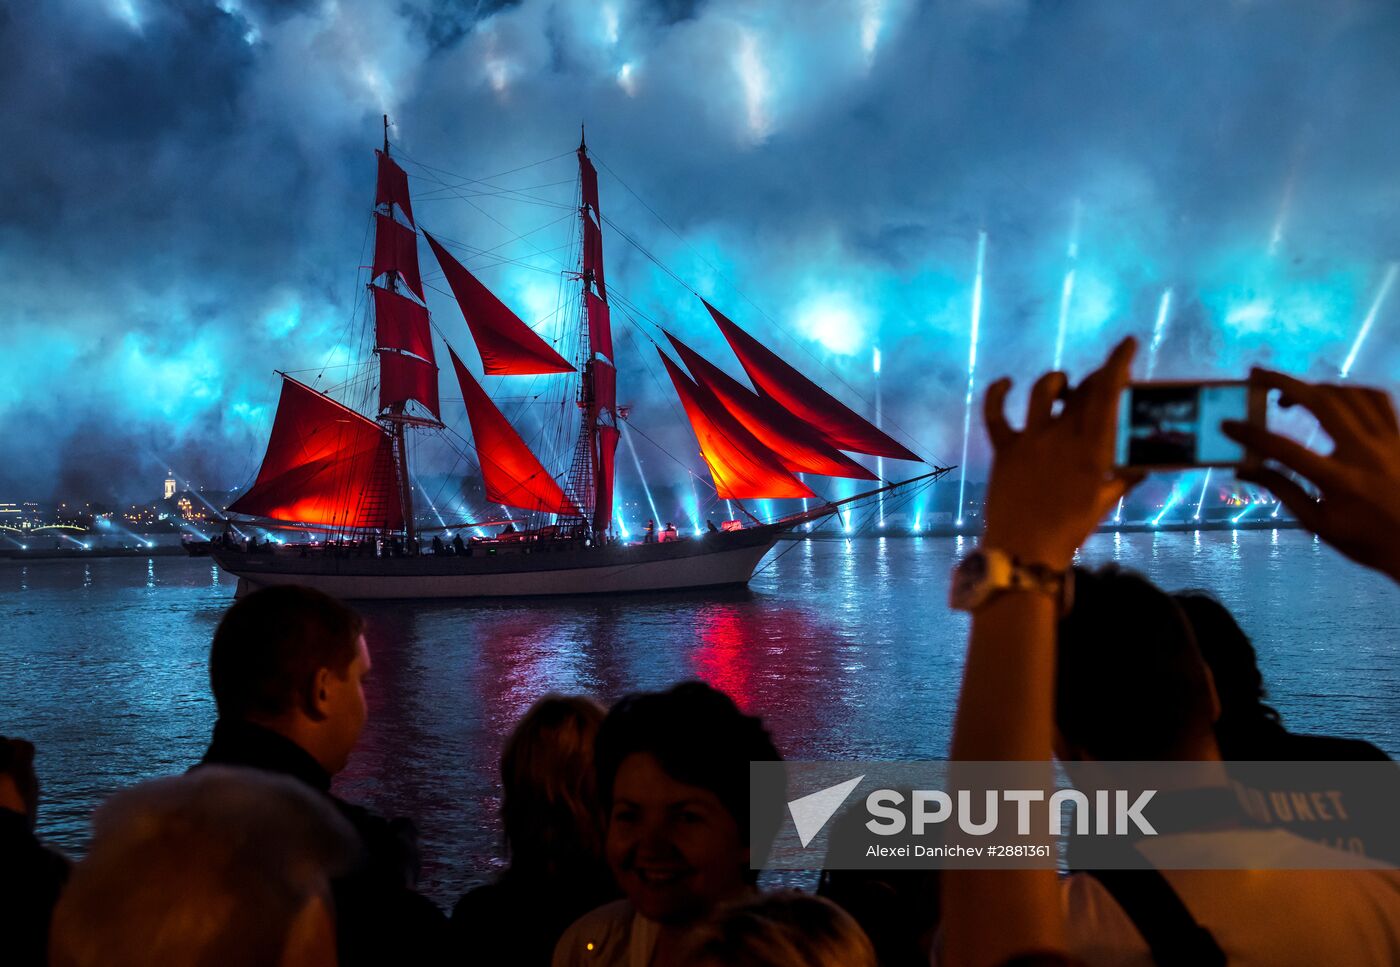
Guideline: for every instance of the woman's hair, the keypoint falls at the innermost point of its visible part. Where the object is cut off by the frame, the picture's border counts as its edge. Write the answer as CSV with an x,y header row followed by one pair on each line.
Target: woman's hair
x,y
1234,666
699,737
783,929
549,804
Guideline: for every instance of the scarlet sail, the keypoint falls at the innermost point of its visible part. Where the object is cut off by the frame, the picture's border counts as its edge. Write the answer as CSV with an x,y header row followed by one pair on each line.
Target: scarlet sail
x,y
392,188
800,448
599,326
593,255
742,467
513,475
325,464
403,378
840,425
508,347
604,451
396,252
588,176
401,323
604,387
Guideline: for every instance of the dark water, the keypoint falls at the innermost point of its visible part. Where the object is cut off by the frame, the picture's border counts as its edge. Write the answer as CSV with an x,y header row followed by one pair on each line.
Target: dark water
x,y
846,648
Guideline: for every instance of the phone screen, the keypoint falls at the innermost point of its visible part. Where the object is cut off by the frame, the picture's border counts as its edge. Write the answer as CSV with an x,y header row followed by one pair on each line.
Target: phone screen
x,y
1178,424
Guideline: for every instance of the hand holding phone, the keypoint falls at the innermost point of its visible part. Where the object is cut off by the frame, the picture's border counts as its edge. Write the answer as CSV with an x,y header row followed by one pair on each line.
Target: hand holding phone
x,y
1177,425
1357,505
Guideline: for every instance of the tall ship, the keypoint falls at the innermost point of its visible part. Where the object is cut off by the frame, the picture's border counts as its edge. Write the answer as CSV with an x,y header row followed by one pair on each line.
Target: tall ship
x,y
338,468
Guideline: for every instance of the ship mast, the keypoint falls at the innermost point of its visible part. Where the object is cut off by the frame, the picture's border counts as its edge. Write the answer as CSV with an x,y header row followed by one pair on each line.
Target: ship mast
x,y
591,471
395,415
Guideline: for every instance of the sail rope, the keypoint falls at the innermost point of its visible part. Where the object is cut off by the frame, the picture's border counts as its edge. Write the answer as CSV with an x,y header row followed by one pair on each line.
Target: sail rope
x,y
801,344
649,255
446,190
442,194
459,188
614,296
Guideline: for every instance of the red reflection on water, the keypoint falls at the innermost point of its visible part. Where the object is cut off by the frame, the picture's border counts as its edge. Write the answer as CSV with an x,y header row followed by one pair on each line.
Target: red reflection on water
x,y
725,658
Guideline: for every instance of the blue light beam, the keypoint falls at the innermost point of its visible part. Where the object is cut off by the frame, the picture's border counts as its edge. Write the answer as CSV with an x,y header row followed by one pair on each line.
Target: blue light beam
x,y
1159,330
1066,297
646,488
1202,499
1067,287
1386,284
879,424
971,366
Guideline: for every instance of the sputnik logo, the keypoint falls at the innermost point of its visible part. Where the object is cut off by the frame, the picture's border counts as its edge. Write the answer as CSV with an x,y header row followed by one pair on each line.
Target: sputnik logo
x,y
811,812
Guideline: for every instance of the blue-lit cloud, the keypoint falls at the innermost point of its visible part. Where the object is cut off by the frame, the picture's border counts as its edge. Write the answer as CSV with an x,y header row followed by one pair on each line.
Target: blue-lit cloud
x,y
186,187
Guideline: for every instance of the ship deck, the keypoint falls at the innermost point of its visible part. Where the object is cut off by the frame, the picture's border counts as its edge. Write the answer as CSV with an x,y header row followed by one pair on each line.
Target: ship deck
x,y
511,568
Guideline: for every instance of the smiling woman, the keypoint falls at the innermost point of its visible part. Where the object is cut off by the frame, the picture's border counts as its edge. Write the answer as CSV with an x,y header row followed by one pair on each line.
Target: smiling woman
x,y
673,773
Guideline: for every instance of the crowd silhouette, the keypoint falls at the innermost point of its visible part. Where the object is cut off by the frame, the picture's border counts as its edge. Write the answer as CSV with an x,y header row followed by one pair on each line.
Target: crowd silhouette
x,y
630,834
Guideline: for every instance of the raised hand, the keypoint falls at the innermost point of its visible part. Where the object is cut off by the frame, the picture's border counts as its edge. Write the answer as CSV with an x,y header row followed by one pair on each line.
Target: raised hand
x,y
1053,481
1357,509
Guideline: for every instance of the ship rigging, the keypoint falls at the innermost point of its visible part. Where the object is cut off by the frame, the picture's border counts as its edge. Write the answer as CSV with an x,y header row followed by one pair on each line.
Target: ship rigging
x,y
343,467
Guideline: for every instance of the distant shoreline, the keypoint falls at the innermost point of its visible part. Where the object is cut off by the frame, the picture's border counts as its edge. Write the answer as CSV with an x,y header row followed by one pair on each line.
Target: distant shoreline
x,y
1134,527
942,530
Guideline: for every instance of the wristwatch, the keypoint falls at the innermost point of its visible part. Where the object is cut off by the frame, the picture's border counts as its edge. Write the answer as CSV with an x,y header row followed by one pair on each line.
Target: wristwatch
x,y
988,572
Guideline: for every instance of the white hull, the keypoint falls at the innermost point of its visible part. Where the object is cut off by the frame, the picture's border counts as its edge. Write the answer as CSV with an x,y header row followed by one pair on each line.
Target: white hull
x,y
714,561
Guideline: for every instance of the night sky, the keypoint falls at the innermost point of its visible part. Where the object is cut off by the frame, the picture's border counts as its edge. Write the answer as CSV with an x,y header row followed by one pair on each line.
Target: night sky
x,y
187,188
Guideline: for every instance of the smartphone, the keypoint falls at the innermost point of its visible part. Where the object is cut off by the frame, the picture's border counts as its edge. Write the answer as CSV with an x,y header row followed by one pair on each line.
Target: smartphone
x,y
1172,425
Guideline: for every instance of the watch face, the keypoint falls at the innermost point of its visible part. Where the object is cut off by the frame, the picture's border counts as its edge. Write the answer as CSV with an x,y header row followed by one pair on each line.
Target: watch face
x,y
968,577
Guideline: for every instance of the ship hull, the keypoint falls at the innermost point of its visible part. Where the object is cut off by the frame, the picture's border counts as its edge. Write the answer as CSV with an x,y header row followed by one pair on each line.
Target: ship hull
x,y
506,571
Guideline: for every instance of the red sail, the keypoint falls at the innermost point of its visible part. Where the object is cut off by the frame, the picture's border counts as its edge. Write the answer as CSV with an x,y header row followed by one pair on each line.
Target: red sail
x,y
512,474
599,326
604,450
508,347
838,424
403,378
604,386
393,187
801,449
589,176
401,323
742,467
325,464
593,255
396,251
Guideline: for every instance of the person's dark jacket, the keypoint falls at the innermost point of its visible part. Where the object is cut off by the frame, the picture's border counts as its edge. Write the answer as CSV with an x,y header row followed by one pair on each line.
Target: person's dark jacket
x,y
519,918
31,878
1264,741
1363,799
380,918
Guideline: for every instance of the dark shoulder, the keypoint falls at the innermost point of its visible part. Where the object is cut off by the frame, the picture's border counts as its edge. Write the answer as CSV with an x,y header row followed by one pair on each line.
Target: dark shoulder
x,y
390,845
481,903
1328,748
25,860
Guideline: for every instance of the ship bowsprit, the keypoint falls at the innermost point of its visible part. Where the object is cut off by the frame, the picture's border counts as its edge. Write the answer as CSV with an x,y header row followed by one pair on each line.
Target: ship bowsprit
x,y
545,568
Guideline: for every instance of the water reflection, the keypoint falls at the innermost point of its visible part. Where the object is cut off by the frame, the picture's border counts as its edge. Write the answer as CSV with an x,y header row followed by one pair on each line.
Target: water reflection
x,y
846,647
